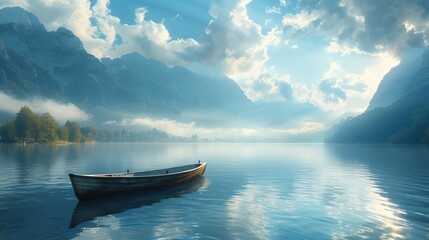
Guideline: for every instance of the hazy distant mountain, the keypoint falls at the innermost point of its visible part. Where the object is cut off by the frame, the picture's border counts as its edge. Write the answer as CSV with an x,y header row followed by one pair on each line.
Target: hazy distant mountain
x,y
399,110
409,76
175,87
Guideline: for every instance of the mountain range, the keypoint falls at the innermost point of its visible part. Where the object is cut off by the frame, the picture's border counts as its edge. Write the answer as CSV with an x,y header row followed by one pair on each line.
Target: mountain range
x,y
399,110
36,63
55,65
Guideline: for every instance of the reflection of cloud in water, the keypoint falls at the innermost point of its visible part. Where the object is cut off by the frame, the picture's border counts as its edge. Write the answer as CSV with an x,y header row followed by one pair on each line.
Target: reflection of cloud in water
x,y
104,226
171,227
346,198
351,197
252,208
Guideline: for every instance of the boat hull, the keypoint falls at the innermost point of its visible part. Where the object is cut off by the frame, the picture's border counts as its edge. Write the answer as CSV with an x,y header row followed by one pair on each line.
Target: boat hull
x,y
94,186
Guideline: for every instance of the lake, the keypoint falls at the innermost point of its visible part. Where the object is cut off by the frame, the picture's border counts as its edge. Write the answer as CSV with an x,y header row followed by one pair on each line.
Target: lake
x,y
249,191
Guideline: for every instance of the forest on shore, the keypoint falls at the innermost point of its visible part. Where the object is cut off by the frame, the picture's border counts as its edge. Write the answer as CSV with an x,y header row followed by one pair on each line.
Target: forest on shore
x,y
29,127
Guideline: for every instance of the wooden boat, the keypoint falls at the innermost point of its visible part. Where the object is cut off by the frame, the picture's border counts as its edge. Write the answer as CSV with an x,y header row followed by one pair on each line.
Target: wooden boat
x,y
96,185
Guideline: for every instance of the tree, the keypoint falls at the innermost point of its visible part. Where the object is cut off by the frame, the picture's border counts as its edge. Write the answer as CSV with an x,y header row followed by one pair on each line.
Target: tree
x,y
73,129
63,133
8,133
48,128
27,124
88,134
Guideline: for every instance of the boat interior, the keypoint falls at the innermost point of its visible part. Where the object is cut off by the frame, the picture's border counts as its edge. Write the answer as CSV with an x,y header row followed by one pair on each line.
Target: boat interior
x,y
153,172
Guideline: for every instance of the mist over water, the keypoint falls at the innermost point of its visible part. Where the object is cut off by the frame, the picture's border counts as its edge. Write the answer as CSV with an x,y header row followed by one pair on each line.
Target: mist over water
x,y
249,191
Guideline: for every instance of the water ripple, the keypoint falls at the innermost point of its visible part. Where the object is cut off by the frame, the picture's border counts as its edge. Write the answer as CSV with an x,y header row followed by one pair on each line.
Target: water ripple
x,y
253,191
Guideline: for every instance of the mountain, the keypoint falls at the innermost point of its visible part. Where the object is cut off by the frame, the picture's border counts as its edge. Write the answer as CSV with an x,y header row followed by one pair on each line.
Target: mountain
x,y
36,63
176,87
21,78
399,110
55,65
52,64
409,76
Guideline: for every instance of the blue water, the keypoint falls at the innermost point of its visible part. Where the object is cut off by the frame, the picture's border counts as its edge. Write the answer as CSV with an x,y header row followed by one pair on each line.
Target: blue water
x,y
249,191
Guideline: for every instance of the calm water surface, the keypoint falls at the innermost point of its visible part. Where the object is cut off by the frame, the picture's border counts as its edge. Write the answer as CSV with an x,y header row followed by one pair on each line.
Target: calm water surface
x,y
249,191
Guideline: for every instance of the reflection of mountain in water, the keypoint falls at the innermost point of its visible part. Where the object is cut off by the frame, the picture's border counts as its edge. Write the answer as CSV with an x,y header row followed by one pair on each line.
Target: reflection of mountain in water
x,y
88,210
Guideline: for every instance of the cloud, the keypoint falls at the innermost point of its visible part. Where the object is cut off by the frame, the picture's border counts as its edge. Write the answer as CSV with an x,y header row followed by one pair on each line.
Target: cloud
x,y
235,41
167,125
300,20
273,9
343,49
249,133
332,93
286,90
60,111
305,127
181,129
271,87
344,90
364,25
152,40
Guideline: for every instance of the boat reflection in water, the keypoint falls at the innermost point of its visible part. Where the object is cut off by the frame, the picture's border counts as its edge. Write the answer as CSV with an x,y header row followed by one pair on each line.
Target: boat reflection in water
x,y
88,210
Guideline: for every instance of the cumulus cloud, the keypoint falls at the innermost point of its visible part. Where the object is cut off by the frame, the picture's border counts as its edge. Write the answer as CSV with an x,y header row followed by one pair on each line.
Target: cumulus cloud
x,y
273,9
271,87
60,111
286,90
343,91
236,41
300,20
152,40
364,25
332,92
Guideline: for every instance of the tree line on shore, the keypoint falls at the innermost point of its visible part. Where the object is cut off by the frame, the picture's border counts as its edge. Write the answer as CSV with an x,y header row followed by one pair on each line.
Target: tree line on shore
x,y
30,127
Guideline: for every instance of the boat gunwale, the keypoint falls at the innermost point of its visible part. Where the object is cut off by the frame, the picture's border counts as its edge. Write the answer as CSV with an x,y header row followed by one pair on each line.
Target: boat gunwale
x,y
123,175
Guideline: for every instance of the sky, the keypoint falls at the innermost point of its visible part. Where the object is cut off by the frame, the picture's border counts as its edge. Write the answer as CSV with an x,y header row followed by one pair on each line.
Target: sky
x,y
331,54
